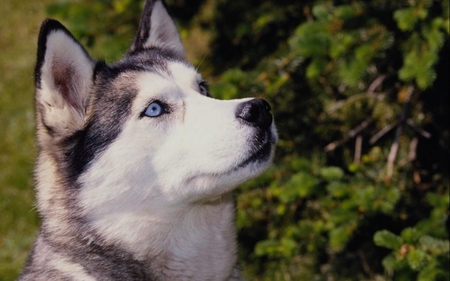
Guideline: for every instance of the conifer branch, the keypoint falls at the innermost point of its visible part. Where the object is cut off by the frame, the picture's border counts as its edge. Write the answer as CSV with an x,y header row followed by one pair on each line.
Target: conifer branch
x,y
421,131
395,145
351,134
382,132
389,127
377,82
412,154
358,149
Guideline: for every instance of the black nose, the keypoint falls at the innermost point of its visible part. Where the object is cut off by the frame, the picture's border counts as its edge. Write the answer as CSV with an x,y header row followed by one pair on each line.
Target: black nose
x,y
255,112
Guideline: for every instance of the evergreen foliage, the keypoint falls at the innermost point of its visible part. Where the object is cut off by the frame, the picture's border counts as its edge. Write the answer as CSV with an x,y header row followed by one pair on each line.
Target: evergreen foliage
x,y
360,186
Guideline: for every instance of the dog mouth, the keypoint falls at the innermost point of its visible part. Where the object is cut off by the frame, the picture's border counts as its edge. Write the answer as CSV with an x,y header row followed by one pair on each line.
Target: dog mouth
x,y
261,151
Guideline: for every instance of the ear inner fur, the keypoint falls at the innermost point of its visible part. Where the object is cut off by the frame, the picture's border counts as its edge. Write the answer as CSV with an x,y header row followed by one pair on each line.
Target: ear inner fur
x,y
47,27
63,79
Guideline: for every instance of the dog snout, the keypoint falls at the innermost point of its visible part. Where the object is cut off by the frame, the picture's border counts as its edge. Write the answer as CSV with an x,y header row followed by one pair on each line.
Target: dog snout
x,y
255,112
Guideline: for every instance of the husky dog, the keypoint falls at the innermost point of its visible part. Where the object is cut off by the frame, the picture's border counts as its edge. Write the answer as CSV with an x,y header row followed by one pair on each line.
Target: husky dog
x,y
137,162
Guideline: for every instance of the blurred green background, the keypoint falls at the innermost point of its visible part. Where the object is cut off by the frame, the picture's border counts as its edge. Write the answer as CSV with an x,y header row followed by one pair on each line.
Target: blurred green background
x,y
19,26
360,92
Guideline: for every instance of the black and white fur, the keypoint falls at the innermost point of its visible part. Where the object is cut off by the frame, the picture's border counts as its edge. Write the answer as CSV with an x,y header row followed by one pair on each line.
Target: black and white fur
x,y
137,162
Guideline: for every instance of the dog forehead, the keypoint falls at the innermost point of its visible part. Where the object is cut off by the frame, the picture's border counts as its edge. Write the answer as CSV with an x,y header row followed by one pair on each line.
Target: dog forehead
x,y
177,75
184,73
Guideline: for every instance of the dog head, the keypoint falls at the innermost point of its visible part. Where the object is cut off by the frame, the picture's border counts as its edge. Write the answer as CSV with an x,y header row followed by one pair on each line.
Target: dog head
x,y
145,127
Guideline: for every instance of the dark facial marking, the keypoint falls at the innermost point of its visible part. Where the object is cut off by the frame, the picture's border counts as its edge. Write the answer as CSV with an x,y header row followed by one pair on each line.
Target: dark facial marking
x,y
111,106
112,97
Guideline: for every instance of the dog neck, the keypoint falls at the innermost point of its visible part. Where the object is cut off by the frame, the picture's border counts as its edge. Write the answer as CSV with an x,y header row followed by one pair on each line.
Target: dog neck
x,y
196,240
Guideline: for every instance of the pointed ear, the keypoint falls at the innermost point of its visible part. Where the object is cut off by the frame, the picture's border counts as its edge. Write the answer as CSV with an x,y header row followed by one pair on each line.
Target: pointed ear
x,y
63,80
157,29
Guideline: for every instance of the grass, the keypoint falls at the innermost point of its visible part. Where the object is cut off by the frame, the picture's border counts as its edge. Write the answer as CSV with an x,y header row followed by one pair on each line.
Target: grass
x,y
19,27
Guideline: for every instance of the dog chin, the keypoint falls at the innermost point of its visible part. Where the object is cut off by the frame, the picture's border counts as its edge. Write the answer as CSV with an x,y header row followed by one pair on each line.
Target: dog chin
x,y
259,156
211,185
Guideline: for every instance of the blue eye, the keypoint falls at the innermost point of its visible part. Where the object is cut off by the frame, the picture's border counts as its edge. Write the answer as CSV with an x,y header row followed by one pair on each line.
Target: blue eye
x,y
155,109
